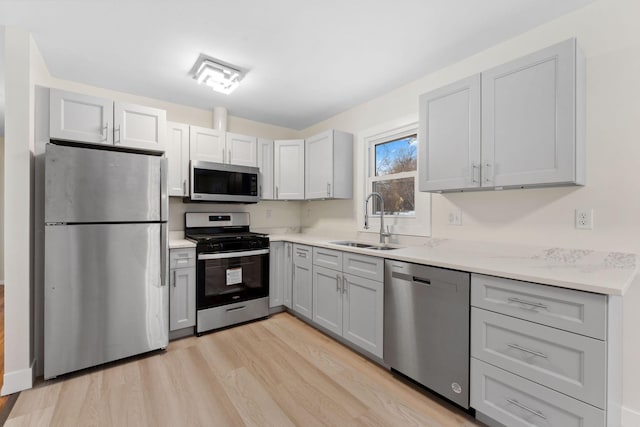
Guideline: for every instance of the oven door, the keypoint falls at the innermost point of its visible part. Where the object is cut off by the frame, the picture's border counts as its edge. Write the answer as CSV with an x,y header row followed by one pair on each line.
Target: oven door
x,y
229,277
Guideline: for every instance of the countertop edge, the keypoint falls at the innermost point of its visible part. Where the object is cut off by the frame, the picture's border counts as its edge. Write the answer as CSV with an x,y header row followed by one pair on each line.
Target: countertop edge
x,y
619,289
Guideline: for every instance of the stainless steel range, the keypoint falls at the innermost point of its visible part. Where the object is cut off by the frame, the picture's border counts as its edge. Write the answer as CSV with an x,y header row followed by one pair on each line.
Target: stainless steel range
x,y
232,270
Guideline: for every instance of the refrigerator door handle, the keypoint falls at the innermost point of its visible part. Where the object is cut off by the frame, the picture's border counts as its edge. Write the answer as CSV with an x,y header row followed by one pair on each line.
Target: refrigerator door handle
x,y
164,200
164,249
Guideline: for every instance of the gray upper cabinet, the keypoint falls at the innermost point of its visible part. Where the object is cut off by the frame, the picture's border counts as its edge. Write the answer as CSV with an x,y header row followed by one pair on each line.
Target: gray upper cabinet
x,y
329,166
288,169
449,152
265,164
178,158
83,118
521,126
88,119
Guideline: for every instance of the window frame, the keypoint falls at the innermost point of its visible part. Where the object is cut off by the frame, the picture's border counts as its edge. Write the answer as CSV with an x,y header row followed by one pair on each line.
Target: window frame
x,y
372,177
418,224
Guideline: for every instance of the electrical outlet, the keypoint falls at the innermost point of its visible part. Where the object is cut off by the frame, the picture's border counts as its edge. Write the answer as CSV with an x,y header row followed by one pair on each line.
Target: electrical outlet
x,y
584,219
454,217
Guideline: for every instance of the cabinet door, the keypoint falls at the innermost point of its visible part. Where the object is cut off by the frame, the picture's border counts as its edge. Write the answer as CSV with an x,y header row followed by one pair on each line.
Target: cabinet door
x,y
178,158
140,127
241,149
327,298
449,137
318,166
276,274
206,145
302,290
265,163
302,295
182,298
82,118
363,307
288,274
529,119
289,169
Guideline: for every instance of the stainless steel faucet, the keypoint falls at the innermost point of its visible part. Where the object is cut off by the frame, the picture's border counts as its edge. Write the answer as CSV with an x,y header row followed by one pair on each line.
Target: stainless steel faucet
x,y
383,234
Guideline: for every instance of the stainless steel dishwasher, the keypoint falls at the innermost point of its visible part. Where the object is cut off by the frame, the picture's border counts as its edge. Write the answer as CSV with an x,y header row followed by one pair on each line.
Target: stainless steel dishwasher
x,y
426,327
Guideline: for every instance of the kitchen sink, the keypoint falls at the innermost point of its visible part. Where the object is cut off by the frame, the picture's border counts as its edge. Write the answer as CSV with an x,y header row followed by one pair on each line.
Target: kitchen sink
x,y
364,245
352,244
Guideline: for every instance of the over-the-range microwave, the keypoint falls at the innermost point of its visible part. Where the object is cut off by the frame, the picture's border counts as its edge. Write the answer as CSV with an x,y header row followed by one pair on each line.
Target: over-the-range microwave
x,y
220,182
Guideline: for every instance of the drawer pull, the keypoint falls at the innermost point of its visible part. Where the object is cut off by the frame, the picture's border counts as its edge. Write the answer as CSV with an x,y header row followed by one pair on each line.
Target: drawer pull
x,y
521,406
526,350
301,254
532,304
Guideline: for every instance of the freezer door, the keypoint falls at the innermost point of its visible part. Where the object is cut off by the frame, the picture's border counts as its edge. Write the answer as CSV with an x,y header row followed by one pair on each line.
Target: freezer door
x,y
105,294
92,185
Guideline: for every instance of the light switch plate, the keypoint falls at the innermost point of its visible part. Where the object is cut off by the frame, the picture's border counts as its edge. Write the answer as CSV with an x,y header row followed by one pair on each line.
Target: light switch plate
x,y
454,217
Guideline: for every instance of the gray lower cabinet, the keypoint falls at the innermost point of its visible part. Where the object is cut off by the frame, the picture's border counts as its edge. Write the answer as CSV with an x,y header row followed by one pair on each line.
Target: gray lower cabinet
x,y
347,304
542,355
302,295
280,271
182,288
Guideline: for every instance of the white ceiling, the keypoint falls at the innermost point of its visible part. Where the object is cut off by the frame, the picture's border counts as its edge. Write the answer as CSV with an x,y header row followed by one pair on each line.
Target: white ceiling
x,y
307,60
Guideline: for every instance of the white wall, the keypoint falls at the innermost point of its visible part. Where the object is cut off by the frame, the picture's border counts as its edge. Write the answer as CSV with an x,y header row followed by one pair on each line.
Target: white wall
x,y
1,209
17,203
609,34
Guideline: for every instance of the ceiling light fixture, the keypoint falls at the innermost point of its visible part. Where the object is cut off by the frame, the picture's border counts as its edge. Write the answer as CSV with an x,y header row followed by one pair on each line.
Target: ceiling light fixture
x,y
219,76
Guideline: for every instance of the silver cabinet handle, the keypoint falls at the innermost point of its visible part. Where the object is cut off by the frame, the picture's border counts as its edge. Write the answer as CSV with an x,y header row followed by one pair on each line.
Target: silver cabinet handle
x,y
532,304
175,277
338,282
487,166
301,254
229,155
276,192
527,350
474,167
521,406
184,188
328,189
345,284
114,135
260,191
288,251
106,131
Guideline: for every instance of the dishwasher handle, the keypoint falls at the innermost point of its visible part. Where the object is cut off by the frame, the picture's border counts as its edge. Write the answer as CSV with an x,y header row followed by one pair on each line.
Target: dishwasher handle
x,y
411,278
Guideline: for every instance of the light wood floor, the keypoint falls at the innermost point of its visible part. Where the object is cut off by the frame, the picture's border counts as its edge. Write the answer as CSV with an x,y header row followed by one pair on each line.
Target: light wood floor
x,y
276,372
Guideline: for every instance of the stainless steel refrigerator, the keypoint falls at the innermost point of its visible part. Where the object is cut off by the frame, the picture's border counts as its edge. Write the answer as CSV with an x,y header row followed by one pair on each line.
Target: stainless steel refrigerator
x,y
106,253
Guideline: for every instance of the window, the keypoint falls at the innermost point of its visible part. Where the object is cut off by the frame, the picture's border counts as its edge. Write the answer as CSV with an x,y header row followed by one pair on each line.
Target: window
x,y
394,166
391,165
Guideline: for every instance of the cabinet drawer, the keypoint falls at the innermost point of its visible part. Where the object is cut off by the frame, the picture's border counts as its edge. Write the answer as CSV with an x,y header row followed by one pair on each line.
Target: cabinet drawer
x,y
569,363
328,258
365,266
302,254
517,402
184,257
575,311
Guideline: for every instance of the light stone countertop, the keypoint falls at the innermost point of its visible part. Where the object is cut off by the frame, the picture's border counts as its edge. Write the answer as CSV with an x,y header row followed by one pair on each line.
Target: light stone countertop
x,y
177,241
586,270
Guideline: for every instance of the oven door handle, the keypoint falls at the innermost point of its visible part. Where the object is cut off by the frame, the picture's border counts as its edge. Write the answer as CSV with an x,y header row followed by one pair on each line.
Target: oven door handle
x,y
222,255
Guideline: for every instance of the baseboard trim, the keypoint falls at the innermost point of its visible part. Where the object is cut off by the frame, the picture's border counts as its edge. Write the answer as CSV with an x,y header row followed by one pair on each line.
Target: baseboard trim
x,y
17,380
630,418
